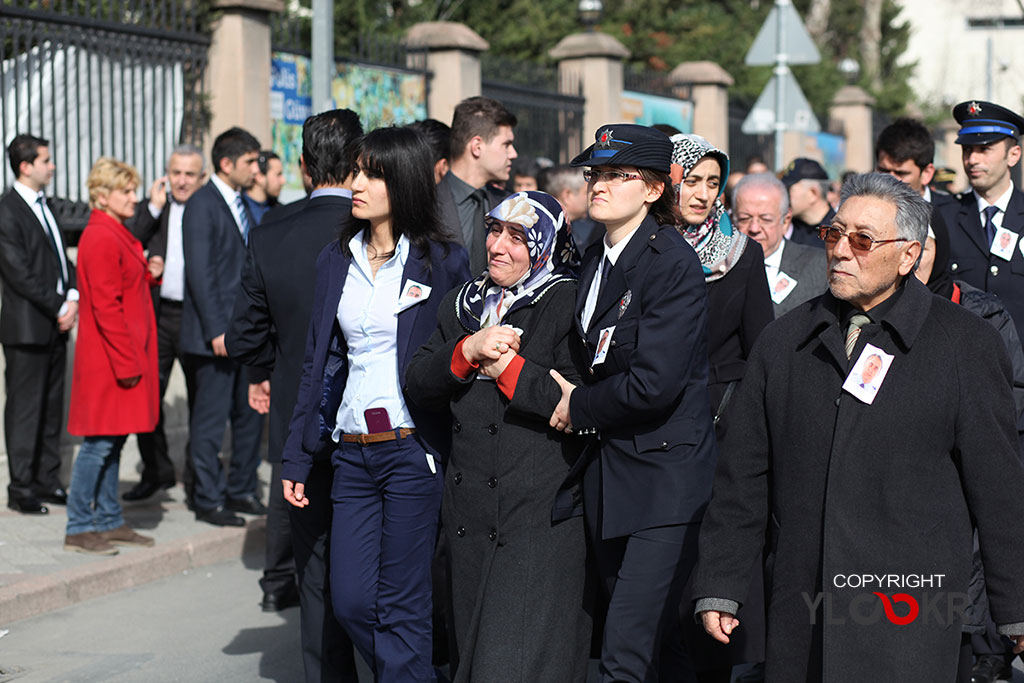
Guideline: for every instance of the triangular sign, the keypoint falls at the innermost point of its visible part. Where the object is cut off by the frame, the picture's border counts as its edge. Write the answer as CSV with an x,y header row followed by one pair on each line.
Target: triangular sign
x,y
796,41
796,114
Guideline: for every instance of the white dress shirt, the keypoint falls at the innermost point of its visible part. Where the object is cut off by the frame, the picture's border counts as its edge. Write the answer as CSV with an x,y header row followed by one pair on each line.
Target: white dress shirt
x,y
367,314
612,254
773,263
1001,203
231,197
173,284
31,198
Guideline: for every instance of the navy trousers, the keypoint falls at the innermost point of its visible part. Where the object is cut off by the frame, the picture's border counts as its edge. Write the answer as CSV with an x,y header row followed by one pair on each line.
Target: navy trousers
x,y
387,500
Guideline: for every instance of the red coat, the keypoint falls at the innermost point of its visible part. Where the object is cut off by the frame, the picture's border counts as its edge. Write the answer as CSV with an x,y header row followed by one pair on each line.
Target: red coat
x,y
116,335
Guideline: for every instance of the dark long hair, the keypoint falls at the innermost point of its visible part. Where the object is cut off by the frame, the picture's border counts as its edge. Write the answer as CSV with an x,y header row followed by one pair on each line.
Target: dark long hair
x,y
403,159
664,210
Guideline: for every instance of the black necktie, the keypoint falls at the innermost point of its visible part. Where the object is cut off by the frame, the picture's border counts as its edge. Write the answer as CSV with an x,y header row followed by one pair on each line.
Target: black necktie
x,y
990,226
476,236
53,241
606,268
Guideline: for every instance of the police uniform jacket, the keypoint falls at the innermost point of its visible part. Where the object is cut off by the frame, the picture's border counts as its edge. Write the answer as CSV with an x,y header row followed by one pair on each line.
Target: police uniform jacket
x,y
970,259
890,488
656,453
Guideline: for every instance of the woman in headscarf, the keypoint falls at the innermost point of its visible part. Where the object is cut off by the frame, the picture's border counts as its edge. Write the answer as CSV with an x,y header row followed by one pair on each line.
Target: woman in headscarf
x,y
519,604
739,307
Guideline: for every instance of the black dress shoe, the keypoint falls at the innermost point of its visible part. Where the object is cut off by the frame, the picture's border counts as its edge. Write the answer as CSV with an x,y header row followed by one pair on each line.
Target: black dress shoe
x,y
219,517
249,505
279,600
991,668
145,489
58,496
27,505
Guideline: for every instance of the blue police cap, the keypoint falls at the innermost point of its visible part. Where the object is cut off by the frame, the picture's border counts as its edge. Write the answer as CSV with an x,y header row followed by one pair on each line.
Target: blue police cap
x,y
627,144
983,122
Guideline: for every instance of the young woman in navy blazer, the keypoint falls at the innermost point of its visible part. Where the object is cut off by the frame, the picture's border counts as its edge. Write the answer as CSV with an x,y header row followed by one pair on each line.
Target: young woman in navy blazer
x,y
376,299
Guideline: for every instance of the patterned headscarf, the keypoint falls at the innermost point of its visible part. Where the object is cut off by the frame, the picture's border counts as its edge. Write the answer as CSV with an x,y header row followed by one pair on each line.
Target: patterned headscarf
x,y
553,258
718,245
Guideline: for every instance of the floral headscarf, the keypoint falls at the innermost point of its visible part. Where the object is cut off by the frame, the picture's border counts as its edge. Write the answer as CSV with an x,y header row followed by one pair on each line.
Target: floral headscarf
x,y
718,245
553,258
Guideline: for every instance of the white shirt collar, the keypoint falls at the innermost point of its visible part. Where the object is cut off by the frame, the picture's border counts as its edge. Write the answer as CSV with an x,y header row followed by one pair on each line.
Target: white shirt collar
x,y
27,193
927,194
1002,202
229,195
612,253
775,260
358,249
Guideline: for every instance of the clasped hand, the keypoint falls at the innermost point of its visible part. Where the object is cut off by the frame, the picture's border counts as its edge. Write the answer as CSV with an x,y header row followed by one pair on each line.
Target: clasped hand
x,y
492,349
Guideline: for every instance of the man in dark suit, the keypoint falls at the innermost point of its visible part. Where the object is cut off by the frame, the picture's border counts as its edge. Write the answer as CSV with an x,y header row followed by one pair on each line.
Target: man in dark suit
x,y
977,221
268,333
989,139
40,306
808,188
215,228
868,484
157,224
482,151
795,272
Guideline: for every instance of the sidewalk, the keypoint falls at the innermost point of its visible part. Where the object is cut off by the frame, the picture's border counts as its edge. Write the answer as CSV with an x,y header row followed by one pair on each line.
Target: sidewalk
x,y
37,575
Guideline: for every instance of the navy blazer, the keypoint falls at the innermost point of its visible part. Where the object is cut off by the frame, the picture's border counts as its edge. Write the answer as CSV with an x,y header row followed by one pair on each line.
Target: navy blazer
x,y
649,398
325,367
214,255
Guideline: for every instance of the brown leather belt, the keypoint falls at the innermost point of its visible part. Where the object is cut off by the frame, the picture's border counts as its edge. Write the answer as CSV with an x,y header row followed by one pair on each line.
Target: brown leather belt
x,y
379,437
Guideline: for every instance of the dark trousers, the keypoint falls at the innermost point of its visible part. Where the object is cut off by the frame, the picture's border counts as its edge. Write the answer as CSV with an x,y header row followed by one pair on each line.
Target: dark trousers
x,y
386,508
279,559
34,416
327,654
643,575
157,467
221,392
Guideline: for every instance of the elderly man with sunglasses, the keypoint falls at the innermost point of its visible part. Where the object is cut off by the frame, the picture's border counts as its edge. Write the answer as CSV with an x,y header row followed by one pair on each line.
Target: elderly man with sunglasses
x,y
867,501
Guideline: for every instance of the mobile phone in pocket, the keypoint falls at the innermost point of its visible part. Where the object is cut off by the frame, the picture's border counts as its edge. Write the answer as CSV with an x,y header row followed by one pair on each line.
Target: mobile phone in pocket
x,y
377,420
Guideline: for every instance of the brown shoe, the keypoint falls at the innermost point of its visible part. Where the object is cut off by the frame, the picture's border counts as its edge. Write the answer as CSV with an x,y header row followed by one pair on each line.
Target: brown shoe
x,y
88,542
125,535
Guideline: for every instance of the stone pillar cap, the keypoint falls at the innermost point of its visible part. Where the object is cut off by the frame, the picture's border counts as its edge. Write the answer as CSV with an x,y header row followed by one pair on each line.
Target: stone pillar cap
x,y
852,95
588,44
259,5
440,35
700,73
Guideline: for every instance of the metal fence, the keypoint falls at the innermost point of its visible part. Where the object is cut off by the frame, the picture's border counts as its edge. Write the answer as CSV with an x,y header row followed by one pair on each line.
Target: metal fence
x,y
548,106
121,78
647,81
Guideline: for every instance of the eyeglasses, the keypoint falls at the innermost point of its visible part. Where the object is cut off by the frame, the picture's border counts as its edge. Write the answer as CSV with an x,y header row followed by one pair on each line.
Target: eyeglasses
x,y
859,241
609,177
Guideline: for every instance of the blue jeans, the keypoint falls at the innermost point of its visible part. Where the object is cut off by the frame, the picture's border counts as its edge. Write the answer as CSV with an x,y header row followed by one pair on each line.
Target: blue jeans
x,y
92,498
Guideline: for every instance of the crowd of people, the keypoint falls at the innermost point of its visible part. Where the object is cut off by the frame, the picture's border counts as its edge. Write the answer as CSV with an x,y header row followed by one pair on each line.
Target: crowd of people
x,y
637,408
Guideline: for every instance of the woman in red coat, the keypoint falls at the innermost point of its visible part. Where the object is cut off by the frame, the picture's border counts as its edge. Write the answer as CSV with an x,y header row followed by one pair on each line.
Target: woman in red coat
x,y
115,384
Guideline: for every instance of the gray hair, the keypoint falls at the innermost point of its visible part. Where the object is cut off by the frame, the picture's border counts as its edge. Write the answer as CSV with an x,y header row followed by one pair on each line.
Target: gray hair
x,y
187,150
764,181
558,179
913,213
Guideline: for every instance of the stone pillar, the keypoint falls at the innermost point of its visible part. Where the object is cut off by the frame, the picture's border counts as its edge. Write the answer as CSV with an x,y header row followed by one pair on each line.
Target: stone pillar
x,y
453,58
706,84
594,61
850,114
238,70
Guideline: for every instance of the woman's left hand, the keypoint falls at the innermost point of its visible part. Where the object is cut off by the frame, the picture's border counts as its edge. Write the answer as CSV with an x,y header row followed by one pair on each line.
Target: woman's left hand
x,y
494,368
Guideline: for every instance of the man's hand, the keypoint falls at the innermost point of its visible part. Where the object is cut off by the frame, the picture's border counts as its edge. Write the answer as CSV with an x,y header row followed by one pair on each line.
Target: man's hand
x,y
1019,647
494,368
156,267
70,317
295,493
129,382
259,397
720,625
489,343
218,346
158,192
560,419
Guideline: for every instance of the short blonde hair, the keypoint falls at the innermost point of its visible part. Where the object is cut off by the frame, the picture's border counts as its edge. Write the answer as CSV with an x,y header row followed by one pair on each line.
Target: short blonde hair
x,y
109,174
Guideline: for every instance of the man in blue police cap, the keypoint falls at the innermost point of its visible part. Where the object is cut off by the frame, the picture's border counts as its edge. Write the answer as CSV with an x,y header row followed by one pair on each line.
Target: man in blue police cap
x,y
979,222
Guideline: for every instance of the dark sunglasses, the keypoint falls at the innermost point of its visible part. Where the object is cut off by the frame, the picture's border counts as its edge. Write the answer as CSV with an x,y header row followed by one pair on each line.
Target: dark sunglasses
x,y
859,241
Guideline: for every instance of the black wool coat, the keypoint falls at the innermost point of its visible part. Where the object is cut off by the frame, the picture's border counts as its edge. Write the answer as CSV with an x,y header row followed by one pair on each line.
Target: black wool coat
x,y
520,607
891,488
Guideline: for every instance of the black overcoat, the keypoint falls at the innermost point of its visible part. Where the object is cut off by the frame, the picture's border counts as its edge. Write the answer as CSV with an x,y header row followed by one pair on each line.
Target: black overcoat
x,y
520,606
851,489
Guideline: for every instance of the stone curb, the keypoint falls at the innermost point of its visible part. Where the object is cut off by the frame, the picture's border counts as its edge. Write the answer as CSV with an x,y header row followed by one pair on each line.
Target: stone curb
x,y
38,595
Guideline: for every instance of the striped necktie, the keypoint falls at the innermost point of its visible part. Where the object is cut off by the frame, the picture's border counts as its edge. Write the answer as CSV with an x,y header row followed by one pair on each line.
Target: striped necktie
x,y
853,331
243,215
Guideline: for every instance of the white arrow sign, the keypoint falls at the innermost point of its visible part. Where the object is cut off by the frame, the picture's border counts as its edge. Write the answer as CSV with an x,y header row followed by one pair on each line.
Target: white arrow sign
x,y
796,43
796,112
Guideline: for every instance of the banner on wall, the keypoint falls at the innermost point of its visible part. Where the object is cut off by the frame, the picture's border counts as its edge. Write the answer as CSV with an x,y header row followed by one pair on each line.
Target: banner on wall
x,y
647,110
381,97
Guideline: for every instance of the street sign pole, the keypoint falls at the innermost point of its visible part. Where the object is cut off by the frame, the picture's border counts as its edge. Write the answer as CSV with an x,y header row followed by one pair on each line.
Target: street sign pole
x,y
322,58
781,73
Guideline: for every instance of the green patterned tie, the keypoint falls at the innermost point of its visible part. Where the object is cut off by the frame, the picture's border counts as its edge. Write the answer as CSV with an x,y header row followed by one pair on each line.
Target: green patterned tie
x,y
853,331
